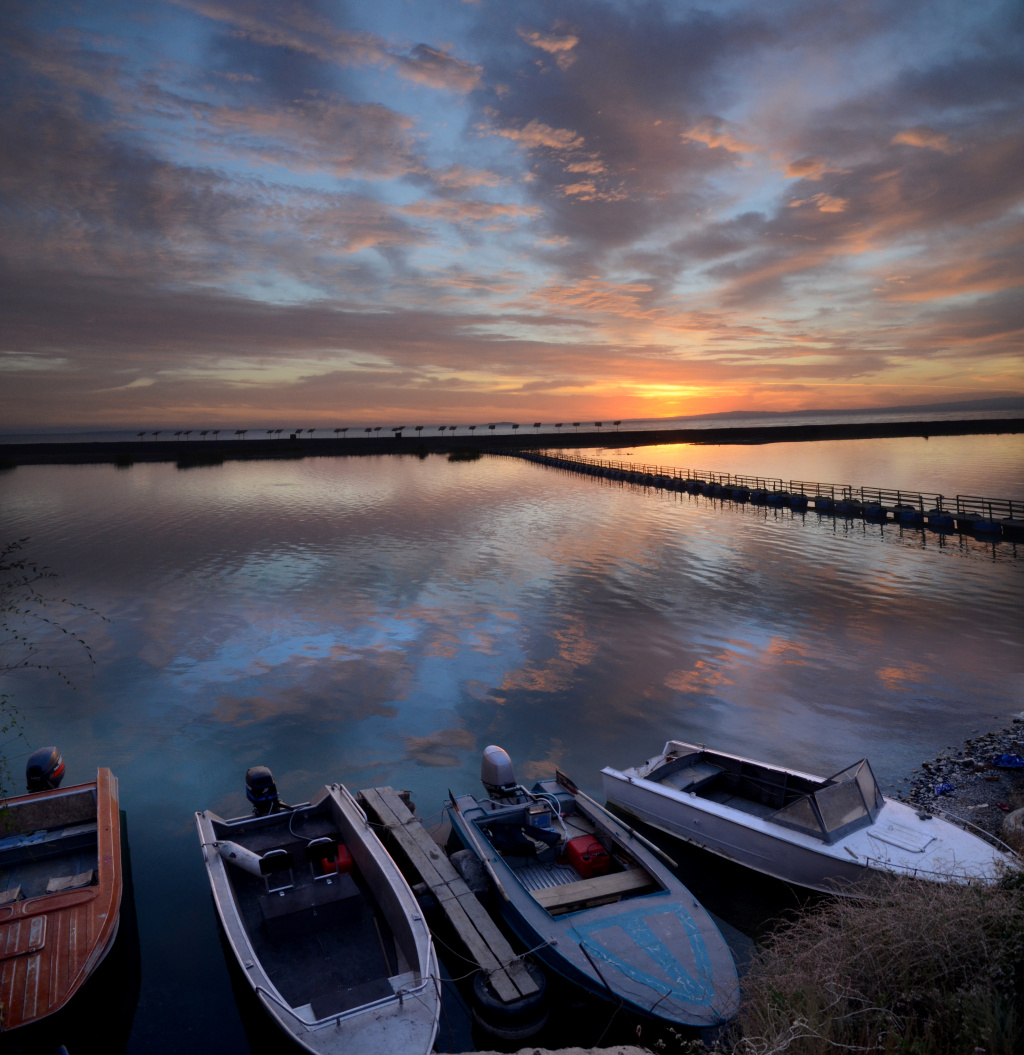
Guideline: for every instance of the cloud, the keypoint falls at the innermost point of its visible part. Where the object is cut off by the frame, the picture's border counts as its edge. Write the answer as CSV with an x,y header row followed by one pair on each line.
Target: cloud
x,y
711,131
924,137
536,134
823,203
558,45
594,168
811,168
437,69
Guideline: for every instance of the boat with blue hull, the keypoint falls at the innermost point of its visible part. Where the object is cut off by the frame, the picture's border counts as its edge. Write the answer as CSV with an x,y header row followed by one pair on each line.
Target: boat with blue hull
x,y
590,900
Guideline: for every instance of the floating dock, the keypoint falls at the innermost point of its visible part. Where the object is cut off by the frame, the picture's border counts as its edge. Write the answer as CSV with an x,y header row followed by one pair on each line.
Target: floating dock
x,y
985,517
425,862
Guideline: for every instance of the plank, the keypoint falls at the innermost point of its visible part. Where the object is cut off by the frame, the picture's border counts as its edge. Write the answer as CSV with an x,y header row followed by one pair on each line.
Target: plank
x,y
614,884
481,936
484,942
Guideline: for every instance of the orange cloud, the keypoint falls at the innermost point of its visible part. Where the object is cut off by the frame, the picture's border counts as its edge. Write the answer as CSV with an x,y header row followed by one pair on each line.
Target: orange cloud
x,y
925,138
591,168
823,202
811,168
549,42
537,134
711,133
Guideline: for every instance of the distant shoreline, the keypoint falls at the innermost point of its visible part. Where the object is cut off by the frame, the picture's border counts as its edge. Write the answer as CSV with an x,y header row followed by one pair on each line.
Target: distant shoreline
x,y
202,451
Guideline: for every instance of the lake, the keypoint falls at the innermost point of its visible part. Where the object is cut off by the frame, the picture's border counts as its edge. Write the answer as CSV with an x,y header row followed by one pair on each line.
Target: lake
x,y
381,620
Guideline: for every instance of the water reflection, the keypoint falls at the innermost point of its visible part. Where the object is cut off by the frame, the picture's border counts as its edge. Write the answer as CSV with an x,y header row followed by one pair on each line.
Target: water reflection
x,y
382,620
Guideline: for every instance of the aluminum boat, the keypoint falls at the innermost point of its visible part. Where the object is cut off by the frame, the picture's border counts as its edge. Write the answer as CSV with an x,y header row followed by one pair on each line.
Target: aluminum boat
x,y
324,926
828,834
591,901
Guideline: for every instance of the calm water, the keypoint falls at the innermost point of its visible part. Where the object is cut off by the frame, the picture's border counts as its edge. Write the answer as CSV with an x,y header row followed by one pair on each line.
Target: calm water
x,y
381,620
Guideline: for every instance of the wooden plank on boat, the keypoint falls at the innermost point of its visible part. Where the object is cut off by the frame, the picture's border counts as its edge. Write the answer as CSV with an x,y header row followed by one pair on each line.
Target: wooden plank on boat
x,y
485,943
596,889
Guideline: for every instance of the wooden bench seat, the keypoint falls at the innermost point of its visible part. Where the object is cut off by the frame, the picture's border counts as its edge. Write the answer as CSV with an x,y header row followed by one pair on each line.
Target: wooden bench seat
x,y
599,890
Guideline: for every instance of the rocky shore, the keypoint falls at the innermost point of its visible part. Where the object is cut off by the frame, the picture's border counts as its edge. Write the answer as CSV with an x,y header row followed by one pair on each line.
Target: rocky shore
x,y
969,785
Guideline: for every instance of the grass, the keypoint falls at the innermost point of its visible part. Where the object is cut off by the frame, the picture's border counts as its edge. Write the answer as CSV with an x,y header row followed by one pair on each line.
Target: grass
x,y
918,969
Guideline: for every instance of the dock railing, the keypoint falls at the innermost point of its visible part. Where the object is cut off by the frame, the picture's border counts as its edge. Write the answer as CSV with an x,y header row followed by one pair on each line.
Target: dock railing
x,y
979,513
989,508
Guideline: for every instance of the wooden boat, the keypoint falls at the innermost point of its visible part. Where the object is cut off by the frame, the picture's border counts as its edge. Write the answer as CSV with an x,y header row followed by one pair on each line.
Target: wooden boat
x,y
830,835
324,926
629,930
60,894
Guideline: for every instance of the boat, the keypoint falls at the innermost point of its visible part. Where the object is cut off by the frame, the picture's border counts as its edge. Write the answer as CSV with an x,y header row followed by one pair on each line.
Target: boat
x,y
591,901
827,834
322,923
60,888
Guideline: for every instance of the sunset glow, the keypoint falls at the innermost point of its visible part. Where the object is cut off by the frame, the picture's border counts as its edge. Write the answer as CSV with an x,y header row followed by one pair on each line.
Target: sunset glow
x,y
240,212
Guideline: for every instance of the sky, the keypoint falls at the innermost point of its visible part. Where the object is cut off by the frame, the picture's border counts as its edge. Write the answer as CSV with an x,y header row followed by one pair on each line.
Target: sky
x,y
245,211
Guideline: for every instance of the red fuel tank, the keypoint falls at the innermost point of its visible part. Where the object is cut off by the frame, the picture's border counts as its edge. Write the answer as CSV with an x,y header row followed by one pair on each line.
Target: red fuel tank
x,y
588,856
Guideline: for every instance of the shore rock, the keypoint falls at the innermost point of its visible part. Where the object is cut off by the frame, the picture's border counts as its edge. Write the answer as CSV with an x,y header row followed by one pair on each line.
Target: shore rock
x,y
978,792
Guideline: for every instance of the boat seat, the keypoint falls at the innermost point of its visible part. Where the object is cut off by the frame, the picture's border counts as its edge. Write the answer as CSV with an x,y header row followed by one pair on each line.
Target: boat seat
x,y
598,890
275,863
323,849
294,911
11,895
692,777
61,883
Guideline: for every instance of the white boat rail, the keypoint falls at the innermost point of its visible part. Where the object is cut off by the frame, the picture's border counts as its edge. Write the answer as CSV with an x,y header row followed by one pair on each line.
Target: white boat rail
x,y
974,829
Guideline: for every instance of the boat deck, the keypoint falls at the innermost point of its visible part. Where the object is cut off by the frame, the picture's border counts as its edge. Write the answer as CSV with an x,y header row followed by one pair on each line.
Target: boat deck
x,y
736,802
36,865
322,942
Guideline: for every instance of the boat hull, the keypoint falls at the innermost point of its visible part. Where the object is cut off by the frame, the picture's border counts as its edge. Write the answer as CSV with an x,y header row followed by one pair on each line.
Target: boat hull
x,y
734,840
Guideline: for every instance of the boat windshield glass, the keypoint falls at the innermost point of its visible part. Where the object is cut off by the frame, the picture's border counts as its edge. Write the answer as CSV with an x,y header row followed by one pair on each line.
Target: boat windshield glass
x,y
850,800
800,815
840,805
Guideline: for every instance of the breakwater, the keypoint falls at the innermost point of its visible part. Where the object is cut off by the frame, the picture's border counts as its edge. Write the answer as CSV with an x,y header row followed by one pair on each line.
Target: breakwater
x,y
991,517
199,447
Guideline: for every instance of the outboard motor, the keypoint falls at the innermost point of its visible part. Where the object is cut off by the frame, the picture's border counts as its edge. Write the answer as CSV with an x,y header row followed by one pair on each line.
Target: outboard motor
x,y
44,770
497,774
261,791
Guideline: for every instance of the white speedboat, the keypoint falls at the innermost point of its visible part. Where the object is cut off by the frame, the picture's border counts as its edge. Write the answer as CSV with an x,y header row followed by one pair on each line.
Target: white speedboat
x,y
323,924
825,834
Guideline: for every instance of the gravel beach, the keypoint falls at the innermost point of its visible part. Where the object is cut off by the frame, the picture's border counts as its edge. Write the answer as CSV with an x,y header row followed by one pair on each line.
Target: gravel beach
x,y
980,792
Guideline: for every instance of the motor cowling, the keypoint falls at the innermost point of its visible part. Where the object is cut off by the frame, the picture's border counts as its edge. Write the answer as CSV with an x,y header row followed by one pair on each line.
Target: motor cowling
x,y
261,791
44,770
496,772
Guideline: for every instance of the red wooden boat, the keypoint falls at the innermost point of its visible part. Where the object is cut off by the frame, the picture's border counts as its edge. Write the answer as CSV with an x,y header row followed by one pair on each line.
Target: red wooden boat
x,y
60,894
